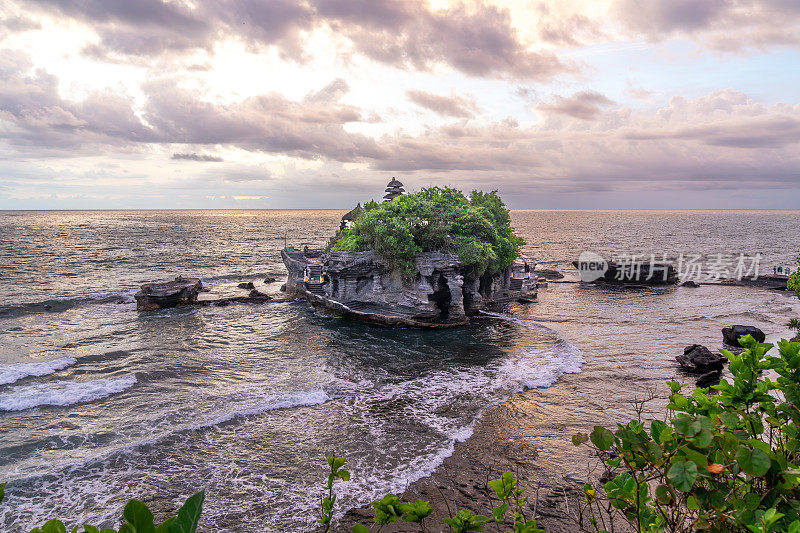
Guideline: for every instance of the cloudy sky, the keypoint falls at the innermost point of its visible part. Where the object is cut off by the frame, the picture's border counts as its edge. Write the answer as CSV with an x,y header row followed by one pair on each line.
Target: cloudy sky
x,y
318,103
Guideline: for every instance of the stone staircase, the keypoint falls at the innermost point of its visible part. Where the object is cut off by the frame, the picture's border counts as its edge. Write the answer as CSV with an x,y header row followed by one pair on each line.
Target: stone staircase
x,y
315,288
516,284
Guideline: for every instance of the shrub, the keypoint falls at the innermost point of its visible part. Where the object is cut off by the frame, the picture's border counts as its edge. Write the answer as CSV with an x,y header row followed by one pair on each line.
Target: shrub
x,y
793,283
725,462
391,508
477,229
137,518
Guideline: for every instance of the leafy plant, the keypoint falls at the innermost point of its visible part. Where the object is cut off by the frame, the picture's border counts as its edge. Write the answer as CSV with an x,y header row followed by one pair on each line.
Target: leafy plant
x,y
725,462
336,472
137,519
794,324
477,229
793,283
391,509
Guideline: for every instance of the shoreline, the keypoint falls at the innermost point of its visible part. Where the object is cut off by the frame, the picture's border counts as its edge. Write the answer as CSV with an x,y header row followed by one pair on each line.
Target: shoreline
x,y
531,432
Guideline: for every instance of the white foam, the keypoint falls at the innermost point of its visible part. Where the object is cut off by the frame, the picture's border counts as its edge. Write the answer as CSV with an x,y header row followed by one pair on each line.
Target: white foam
x,y
15,372
63,393
272,403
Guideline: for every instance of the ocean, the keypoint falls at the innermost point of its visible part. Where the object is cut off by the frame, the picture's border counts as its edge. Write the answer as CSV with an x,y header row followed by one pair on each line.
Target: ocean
x,y
100,403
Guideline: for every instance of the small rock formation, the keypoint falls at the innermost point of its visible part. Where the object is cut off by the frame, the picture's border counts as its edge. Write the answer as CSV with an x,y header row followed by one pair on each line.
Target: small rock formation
x,y
247,285
270,279
690,283
709,378
163,295
730,335
700,360
796,338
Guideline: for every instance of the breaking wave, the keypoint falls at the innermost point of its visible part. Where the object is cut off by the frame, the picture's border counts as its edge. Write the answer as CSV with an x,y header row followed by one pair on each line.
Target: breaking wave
x,y
63,393
16,371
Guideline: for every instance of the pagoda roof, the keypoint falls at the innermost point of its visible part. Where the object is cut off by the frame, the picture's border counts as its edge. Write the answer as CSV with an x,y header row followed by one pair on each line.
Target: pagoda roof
x,y
350,214
394,183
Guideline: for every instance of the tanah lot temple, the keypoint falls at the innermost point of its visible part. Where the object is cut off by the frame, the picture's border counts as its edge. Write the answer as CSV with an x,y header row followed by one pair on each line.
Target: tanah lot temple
x,y
361,285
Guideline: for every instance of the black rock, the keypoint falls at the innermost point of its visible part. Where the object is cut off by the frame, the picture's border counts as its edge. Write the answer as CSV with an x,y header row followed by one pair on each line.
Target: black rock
x,y
690,283
699,360
709,378
283,288
255,293
246,285
730,335
270,280
163,295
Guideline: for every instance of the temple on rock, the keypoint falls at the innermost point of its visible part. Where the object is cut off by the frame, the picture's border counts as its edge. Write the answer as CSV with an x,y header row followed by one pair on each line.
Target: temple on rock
x,y
438,290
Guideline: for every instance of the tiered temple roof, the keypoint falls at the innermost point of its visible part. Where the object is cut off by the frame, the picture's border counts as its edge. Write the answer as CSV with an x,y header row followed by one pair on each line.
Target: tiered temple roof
x,y
393,189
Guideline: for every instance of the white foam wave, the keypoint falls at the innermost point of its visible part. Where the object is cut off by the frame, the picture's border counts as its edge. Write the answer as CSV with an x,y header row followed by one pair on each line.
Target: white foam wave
x,y
63,393
15,372
272,403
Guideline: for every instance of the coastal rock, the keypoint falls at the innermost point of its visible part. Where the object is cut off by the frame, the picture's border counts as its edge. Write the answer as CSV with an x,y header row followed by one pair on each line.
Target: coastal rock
x,y
246,285
699,359
730,335
548,273
163,295
709,378
796,338
270,280
690,283
361,285
257,294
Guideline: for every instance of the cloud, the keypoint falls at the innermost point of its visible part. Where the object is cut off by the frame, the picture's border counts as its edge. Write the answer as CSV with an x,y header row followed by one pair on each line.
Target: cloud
x,y
725,25
33,115
449,106
585,105
477,39
198,157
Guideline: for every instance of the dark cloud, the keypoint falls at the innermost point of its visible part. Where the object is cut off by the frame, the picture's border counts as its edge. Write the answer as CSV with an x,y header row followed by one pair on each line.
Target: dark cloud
x,y
203,158
449,106
658,16
478,39
726,25
585,105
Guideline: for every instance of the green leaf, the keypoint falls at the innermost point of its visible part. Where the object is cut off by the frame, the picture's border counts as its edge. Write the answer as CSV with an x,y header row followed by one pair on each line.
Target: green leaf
x,y
163,527
139,516
755,462
90,529
2,491
579,438
415,512
53,526
358,528
682,475
602,438
663,494
499,513
189,514
656,427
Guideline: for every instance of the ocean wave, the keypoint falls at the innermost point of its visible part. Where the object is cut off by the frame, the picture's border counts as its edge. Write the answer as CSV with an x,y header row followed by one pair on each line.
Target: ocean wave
x,y
63,393
271,403
16,371
58,305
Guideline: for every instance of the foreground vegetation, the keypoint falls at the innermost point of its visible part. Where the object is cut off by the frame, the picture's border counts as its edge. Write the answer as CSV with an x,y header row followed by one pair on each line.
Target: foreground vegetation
x,y
477,229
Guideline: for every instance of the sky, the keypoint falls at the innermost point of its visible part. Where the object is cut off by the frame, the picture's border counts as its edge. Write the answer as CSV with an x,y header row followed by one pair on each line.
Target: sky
x,y
281,104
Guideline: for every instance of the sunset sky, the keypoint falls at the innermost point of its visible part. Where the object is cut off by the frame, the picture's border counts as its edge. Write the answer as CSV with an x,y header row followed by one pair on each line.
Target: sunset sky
x,y
318,103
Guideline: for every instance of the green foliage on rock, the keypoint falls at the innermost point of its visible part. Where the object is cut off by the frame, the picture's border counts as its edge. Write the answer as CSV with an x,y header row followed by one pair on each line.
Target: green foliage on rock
x,y
724,462
477,229
137,518
793,284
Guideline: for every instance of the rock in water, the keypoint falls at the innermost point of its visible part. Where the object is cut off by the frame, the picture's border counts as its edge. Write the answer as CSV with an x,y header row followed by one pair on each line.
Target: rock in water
x,y
163,295
690,283
699,359
730,335
270,280
247,285
709,378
